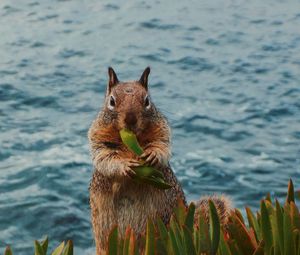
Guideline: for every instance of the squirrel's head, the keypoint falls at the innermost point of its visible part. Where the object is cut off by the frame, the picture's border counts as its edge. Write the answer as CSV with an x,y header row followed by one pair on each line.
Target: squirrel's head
x,y
128,104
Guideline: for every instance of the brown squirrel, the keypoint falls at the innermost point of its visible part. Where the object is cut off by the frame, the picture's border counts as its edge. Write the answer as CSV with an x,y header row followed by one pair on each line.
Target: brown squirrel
x,y
115,199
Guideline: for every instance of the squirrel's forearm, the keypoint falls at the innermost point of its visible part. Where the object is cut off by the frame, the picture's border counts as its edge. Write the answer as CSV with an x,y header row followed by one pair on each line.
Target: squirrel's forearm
x,y
107,162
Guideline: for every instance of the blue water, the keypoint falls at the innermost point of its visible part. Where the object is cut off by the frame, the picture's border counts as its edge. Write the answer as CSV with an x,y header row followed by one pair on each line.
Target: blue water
x,y
225,73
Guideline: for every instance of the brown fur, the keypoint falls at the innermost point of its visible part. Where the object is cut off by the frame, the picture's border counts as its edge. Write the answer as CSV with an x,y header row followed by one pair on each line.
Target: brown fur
x,y
114,197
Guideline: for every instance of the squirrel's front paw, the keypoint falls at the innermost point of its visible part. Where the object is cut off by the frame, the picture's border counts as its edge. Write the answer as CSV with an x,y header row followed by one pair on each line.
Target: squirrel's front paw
x,y
153,157
127,167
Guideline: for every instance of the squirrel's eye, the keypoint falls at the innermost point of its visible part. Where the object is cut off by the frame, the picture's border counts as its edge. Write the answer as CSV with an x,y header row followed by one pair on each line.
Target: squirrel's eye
x,y
147,102
112,102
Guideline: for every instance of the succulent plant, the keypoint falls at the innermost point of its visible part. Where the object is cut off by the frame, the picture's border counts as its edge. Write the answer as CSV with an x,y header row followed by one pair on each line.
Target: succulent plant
x,y
274,230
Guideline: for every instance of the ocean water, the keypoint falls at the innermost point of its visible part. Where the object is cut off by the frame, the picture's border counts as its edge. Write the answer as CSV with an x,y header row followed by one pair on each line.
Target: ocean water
x,y
225,73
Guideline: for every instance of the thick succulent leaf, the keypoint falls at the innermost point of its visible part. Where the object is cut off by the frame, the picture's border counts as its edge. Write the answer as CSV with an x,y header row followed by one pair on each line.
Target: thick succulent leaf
x,y
113,242
175,248
156,182
38,250
295,215
253,223
197,241
150,239
144,174
204,237
296,241
290,195
214,224
239,233
130,140
126,241
59,249
287,230
189,219
163,236
132,249
69,248
234,249
120,245
8,251
260,248
178,235
268,197
162,229
180,212
266,227
223,247
239,215
44,245
188,241
279,221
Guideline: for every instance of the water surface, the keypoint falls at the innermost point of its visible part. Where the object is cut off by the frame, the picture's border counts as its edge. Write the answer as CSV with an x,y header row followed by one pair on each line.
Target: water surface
x,y
225,73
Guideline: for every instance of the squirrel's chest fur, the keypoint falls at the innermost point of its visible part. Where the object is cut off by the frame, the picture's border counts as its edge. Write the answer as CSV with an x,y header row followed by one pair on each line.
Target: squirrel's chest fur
x,y
126,204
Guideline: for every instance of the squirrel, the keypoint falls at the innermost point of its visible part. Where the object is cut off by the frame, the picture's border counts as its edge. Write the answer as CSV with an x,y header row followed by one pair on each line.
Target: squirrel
x,y
115,199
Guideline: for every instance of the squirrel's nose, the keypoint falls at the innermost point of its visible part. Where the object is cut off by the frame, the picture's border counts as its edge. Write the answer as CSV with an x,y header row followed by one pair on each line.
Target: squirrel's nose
x,y
130,119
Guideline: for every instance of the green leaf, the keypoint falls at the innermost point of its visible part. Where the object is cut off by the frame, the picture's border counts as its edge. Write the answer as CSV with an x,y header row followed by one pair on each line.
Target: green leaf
x,y
162,229
189,219
232,244
130,140
175,248
295,215
188,241
144,174
204,237
163,235
156,182
147,171
59,249
287,230
150,239
268,197
260,249
197,241
177,233
266,227
68,248
180,212
113,242
239,215
214,227
132,250
253,223
240,234
126,241
38,250
223,247
296,241
290,195
8,251
120,245
44,245
279,221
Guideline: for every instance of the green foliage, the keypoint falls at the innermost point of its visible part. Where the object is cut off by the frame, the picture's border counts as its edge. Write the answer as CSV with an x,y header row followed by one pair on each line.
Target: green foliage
x,y
40,248
143,173
275,230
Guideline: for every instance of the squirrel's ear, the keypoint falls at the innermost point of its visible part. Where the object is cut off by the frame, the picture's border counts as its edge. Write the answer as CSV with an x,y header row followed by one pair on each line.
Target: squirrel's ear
x,y
144,78
113,79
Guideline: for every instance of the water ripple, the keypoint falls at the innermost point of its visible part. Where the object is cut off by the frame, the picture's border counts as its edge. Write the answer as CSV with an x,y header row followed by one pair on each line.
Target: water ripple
x,y
226,78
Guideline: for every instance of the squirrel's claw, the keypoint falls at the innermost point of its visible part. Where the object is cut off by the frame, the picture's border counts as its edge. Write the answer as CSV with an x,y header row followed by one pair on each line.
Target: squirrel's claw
x,y
129,164
151,157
